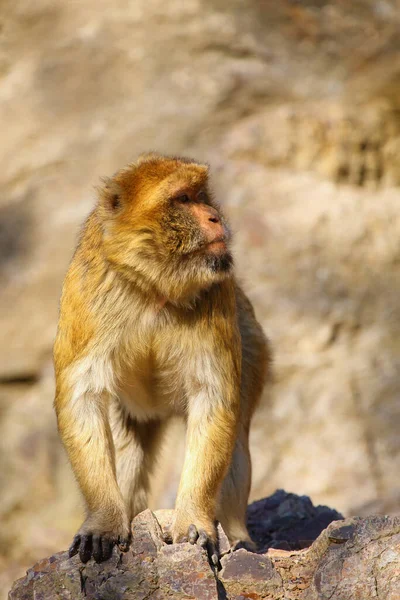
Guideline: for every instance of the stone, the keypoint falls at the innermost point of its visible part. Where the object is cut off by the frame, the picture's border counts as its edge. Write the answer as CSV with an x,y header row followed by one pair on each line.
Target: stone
x,y
184,572
351,559
243,571
287,521
364,564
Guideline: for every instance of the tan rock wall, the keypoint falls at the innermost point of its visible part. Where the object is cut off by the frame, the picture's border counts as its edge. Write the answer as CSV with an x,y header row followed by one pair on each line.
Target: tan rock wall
x,y
296,107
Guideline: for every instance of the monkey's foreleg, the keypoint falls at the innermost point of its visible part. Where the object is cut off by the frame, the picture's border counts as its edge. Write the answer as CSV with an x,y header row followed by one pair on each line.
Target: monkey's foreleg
x,y
136,447
85,431
210,439
234,495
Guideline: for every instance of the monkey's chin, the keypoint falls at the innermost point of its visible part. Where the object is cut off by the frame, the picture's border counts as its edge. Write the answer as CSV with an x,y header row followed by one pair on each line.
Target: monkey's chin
x,y
220,263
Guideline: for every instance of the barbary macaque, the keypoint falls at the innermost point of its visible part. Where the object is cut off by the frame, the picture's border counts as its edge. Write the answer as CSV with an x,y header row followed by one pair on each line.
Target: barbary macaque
x,y
153,324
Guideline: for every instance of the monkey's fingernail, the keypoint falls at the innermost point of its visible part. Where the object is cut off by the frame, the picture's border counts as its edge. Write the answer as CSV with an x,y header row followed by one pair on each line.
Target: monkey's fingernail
x,y
215,559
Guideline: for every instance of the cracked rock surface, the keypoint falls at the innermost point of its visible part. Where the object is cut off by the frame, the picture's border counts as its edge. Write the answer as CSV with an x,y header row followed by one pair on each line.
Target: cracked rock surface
x,y
356,558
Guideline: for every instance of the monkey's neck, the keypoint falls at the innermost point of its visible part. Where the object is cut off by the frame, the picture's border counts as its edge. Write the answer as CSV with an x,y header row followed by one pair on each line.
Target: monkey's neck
x,y
138,284
157,285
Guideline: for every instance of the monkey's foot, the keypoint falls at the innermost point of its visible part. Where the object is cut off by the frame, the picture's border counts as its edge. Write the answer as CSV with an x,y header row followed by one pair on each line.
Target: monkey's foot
x,y
246,544
200,537
98,546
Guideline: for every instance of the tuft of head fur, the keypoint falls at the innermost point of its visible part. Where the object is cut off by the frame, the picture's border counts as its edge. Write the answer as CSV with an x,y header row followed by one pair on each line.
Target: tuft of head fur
x,y
151,237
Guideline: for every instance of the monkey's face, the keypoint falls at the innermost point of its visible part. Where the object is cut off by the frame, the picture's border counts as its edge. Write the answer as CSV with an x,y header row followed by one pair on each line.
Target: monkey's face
x,y
162,226
193,230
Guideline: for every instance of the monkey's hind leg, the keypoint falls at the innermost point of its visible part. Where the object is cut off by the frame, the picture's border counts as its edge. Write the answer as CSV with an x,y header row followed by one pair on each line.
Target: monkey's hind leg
x,y
136,445
235,491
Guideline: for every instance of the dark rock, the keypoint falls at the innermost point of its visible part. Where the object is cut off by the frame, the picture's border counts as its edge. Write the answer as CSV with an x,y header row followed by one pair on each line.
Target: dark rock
x,y
287,521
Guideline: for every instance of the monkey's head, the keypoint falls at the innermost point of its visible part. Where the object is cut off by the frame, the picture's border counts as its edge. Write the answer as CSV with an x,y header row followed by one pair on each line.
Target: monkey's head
x,y
162,228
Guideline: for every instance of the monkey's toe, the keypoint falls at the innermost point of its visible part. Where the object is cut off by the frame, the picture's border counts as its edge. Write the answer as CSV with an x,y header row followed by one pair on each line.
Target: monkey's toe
x,y
85,548
83,545
206,542
193,534
106,548
167,535
248,545
124,543
74,547
98,546
102,548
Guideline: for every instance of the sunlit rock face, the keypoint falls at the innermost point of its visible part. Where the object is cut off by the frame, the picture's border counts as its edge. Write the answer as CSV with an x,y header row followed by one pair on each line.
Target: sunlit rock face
x,y
296,107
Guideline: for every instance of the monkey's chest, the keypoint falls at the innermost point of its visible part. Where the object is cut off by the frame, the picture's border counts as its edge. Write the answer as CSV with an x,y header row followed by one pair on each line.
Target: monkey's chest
x,y
150,385
146,393
164,366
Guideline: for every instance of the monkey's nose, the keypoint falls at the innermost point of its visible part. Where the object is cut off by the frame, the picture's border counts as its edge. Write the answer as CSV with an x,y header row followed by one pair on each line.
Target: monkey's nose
x,y
214,217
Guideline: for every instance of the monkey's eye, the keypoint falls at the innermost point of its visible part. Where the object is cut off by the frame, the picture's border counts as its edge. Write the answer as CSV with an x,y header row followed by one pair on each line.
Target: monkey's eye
x,y
183,199
202,197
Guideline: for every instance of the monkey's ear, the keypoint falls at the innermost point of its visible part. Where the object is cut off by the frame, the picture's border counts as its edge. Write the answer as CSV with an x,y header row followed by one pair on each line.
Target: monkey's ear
x,y
110,196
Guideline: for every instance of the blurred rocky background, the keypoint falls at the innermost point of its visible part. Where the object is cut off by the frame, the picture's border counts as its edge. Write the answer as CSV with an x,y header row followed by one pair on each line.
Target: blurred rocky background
x,y
296,106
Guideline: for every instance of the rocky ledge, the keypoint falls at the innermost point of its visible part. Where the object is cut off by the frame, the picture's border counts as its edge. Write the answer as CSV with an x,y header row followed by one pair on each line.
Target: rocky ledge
x,y
305,552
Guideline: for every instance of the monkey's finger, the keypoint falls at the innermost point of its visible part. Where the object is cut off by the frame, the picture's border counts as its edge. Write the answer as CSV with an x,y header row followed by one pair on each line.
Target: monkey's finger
x,y
124,543
202,539
193,534
106,548
74,547
213,554
85,550
97,550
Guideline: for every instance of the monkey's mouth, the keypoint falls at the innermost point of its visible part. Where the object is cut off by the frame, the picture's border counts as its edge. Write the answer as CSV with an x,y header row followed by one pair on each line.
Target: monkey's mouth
x,y
218,256
214,247
218,244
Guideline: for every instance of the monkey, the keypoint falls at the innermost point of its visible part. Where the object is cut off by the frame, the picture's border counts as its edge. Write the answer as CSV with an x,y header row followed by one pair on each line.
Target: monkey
x,y
153,324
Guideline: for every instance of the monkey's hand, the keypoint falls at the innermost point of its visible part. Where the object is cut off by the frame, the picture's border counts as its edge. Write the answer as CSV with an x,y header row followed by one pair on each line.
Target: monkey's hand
x,y
195,531
98,535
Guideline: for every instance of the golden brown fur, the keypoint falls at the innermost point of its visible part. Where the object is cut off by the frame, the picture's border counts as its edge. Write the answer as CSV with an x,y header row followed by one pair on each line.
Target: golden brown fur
x,y
153,324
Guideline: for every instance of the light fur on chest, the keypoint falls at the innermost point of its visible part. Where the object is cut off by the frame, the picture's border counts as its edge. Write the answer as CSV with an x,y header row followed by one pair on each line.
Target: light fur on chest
x,y
148,382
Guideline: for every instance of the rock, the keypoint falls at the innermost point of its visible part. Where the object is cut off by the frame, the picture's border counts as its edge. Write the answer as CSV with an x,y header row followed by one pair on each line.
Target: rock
x,y
151,569
244,572
287,521
361,560
351,559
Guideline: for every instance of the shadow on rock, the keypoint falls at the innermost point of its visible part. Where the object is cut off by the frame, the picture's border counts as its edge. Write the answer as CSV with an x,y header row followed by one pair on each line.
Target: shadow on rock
x,y
287,521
